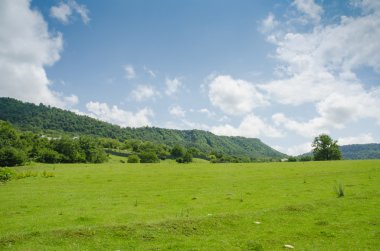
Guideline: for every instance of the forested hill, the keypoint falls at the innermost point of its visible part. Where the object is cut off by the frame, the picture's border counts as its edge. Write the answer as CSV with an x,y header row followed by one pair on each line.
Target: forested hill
x,y
361,151
27,116
356,151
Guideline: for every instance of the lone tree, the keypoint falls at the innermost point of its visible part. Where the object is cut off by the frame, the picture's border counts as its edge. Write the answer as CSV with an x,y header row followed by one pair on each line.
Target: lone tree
x,y
325,148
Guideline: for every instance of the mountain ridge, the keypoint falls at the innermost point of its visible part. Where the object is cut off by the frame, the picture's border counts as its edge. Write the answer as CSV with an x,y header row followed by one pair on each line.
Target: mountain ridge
x,y
28,116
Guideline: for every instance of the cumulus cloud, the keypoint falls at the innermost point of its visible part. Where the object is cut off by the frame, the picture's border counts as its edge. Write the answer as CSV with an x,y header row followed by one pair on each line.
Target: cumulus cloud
x,y
318,67
234,96
172,85
177,111
143,92
251,126
365,138
307,129
119,116
312,10
129,71
26,48
65,10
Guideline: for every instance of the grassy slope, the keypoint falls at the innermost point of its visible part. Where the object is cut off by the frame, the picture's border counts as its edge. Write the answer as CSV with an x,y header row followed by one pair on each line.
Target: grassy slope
x,y
199,206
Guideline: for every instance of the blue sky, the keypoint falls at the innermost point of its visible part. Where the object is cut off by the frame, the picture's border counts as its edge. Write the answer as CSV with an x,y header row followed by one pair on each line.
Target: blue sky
x,y
281,71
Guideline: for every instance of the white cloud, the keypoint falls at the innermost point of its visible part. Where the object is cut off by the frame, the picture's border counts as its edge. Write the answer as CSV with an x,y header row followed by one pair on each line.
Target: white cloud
x,y
64,11
310,9
71,100
143,92
177,111
129,71
26,48
119,116
172,85
234,96
251,126
207,112
308,129
151,73
269,23
299,149
360,139
318,67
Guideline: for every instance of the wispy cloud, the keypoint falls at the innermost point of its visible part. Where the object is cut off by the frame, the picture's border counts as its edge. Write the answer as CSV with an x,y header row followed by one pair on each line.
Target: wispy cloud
x,y
66,9
129,71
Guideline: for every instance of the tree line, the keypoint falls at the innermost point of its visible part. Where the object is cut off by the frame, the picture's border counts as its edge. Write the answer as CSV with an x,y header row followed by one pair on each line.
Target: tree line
x,y
17,147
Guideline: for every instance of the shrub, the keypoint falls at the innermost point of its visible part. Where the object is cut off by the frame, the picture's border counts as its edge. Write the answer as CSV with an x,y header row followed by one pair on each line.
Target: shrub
x,y
6,174
292,159
26,174
178,151
149,157
10,156
133,159
306,158
47,174
48,156
187,158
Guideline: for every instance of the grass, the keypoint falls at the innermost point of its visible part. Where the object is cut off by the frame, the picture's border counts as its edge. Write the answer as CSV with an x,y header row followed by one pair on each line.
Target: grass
x,y
200,206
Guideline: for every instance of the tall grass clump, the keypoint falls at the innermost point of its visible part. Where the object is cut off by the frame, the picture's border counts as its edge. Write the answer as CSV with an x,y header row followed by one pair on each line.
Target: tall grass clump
x,y
339,189
6,174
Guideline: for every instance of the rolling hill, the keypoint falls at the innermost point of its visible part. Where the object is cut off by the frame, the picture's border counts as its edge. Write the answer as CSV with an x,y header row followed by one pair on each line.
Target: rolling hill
x,y
361,151
41,118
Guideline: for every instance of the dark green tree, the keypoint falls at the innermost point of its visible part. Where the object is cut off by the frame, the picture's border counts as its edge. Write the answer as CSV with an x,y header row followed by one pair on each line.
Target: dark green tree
x,y
94,153
178,151
133,158
325,148
187,158
10,156
47,155
149,157
69,149
8,135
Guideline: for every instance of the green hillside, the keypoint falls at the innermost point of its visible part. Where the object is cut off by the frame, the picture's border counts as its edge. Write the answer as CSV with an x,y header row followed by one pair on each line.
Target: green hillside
x,y
361,151
41,118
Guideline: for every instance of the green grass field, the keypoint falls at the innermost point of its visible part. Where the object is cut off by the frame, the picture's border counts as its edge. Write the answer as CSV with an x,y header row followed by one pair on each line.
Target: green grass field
x,y
199,206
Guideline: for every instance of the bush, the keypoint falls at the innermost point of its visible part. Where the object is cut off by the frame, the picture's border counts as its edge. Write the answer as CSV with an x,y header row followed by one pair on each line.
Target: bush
x,y
48,156
292,159
178,151
306,158
133,159
187,158
47,174
149,157
6,174
10,156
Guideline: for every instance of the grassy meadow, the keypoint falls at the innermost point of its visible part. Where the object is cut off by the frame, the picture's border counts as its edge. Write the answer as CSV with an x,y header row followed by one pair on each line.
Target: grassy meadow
x,y
198,206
